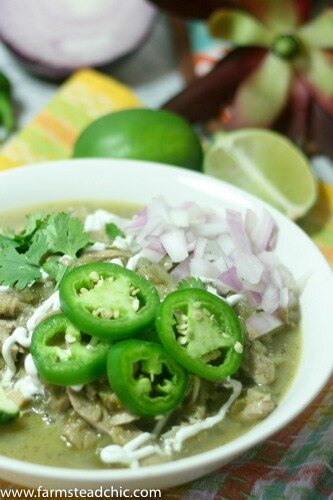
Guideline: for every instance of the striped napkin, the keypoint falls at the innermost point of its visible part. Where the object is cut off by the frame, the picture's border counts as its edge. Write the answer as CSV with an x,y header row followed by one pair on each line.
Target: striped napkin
x,y
297,462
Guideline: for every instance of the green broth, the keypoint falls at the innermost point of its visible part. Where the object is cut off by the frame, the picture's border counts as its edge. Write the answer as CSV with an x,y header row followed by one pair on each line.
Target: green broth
x,y
34,439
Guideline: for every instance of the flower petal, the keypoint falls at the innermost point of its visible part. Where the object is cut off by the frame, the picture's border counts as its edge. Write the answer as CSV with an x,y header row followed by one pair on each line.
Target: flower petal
x,y
319,32
203,97
239,28
276,14
261,98
294,120
303,9
319,73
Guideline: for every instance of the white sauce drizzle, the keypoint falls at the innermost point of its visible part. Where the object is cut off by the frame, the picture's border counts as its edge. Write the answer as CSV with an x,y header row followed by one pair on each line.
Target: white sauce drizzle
x,y
175,442
131,453
97,220
77,388
4,288
44,274
66,260
116,261
51,304
96,247
30,384
234,299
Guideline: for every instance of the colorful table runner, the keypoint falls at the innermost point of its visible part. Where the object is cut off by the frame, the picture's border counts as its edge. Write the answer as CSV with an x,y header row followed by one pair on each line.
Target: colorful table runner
x,y
297,462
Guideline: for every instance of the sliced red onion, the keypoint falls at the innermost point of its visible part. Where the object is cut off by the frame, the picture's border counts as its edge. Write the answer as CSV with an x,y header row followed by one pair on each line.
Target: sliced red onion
x,y
175,245
262,323
56,38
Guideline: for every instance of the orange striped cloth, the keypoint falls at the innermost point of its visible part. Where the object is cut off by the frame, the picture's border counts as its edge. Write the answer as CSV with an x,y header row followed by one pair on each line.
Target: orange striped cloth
x,y
50,136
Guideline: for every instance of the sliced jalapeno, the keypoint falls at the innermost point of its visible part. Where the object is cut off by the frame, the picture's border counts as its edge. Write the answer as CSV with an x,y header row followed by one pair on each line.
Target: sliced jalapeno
x,y
201,332
108,301
145,378
64,356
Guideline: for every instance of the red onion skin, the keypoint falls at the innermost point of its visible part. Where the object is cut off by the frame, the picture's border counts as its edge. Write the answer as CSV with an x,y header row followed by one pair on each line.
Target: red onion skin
x,y
58,68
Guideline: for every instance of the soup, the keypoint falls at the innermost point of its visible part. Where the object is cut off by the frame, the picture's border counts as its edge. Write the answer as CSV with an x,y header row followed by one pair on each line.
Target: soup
x,y
177,339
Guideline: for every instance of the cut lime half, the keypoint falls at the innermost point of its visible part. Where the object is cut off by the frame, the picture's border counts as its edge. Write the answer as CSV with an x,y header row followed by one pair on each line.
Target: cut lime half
x,y
265,164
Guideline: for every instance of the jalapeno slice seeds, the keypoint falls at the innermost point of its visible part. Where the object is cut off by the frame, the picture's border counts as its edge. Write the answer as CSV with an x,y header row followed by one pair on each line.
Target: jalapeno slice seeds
x,y
145,378
64,356
108,301
201,332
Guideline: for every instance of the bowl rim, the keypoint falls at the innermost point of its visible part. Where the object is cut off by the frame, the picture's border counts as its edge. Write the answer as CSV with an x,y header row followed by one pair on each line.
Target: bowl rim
x,y
231,449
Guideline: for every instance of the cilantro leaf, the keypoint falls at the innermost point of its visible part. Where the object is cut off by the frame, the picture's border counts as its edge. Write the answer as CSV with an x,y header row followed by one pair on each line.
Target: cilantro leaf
x,y
34,222
6,242
38,248
191,283
55,269
65,234
16,269
112,230
22,240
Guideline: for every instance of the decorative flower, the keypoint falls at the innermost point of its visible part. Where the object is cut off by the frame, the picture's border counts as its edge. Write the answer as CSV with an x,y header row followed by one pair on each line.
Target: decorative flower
x,y
279,73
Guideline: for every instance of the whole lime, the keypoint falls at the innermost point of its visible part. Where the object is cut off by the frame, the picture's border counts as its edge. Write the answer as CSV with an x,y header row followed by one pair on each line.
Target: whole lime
x,y
141,134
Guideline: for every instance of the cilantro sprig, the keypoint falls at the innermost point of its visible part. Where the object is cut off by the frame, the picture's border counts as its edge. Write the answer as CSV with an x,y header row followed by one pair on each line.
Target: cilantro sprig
x,y
191,283
44,238
112,230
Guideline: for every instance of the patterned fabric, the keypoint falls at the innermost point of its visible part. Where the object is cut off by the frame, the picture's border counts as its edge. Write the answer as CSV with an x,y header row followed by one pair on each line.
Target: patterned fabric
x,y
297,462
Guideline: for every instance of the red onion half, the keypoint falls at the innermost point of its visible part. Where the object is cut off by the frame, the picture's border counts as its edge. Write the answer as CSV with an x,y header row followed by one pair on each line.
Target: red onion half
x,y
55,38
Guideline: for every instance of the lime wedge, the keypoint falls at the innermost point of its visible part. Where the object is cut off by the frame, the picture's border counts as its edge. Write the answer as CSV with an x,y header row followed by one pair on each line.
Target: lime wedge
x,y
265,164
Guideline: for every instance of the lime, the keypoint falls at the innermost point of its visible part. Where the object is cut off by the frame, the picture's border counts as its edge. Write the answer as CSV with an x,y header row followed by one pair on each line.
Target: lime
x,y
142,134
265,164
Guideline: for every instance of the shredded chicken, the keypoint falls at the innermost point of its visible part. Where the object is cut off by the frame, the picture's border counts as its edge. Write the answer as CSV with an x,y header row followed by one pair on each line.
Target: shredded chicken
x,y
256,405
158,274
102,255
93,410
10,306
79,434
258,365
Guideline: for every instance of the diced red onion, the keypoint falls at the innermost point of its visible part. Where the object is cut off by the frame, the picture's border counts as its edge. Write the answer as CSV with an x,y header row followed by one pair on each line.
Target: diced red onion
x,y
236,228
260,324
203,269
182,270
238,258
248,266
174,243
270,299
200,247
231,279
263,236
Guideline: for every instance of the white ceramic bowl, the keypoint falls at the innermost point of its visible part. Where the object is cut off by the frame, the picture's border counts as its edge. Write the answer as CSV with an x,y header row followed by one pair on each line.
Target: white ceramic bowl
x,y
138,182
